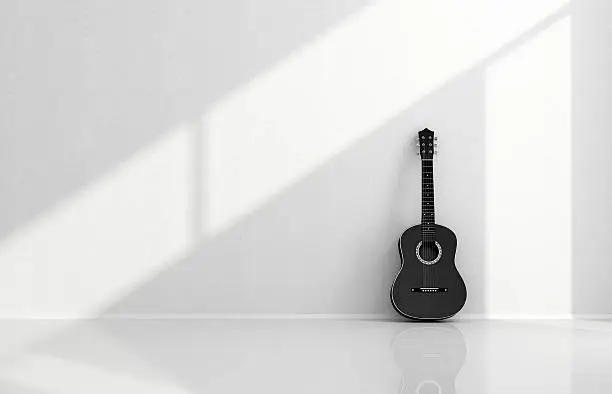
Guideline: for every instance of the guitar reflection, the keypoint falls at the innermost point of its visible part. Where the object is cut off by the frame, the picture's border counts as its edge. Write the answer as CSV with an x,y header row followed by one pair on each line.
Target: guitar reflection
x,y
430,357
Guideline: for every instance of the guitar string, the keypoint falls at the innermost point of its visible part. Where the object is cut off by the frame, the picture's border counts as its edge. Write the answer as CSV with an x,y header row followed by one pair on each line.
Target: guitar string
x,y
423,233
422,280
430,249
422,217
425,214
432,216
424,224
428,246
427,235
428,181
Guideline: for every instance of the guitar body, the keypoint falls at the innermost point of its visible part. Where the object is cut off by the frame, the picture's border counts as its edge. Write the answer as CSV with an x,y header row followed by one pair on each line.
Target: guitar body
x,y
428,291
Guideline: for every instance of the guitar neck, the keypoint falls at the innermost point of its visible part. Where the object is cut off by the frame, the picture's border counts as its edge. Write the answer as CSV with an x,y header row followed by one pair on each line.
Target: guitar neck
x,y
427,197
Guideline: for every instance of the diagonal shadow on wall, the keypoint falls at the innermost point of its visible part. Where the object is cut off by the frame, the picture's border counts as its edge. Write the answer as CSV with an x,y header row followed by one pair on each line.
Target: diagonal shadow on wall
x,y
336,230
278,253
86,86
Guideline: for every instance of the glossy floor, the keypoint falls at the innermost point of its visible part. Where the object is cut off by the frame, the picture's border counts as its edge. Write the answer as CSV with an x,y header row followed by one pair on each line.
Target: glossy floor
x,y
305,356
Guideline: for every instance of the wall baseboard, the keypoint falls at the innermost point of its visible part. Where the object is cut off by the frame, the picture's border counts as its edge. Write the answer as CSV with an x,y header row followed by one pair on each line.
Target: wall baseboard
x,y
310,316
252,316
339,316
514,316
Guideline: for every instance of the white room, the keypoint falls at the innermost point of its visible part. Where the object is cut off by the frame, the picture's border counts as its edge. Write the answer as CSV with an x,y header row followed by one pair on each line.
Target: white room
x,y
208,196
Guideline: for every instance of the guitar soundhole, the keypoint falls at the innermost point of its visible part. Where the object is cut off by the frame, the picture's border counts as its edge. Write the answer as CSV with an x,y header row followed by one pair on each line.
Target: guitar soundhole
x,y
428,252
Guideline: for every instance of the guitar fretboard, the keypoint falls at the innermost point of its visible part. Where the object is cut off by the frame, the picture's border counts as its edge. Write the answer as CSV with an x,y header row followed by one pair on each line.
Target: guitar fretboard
x,y
427,200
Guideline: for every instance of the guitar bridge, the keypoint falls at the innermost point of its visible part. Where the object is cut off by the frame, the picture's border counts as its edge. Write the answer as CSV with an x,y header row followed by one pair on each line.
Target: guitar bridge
x,y
429,289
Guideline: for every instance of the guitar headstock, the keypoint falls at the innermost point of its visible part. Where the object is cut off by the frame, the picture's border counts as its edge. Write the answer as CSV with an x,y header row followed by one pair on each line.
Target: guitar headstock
x,y
427,144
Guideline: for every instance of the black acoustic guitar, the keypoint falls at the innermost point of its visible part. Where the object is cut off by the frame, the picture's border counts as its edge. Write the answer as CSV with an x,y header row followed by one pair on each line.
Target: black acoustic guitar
x,y
428,285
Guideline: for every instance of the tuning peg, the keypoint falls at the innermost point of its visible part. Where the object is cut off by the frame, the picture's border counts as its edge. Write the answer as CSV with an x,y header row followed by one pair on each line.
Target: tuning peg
x,y
435,138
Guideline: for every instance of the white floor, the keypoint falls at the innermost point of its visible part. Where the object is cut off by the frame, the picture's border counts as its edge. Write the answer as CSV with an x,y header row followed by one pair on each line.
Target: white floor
x,y
305,356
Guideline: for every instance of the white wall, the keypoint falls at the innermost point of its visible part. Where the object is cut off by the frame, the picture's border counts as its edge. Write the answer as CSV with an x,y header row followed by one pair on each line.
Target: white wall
x,y
178,157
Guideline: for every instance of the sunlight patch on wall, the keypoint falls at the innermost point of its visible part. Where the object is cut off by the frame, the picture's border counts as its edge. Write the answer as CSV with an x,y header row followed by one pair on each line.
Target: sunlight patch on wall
x,y
338,88
55,375
106,239
528,177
